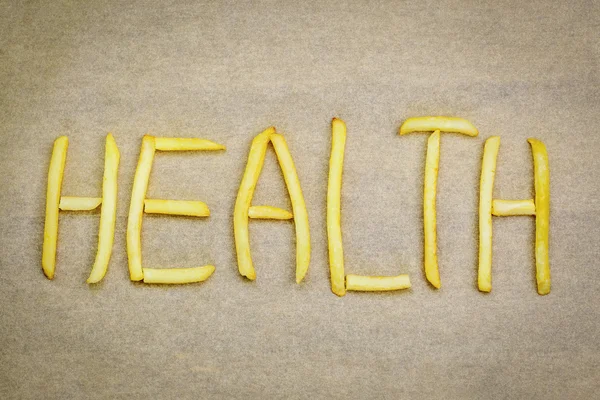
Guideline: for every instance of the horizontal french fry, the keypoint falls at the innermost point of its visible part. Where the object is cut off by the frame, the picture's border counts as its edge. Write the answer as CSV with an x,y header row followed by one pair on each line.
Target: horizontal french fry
x,y
71,203
541,173
191,208
185,144
269,212
443,124
432,162
177,275
377,283
505,208
55,178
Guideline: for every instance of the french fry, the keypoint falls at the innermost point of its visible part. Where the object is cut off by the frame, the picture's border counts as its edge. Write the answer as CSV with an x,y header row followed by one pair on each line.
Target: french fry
x,y
185,144
269,212
177,275
298,206
108,214
55,177
256,159
134,221
443,124
541,174
486,188
429,211
176,207
377,283
334,194
71,203
505,208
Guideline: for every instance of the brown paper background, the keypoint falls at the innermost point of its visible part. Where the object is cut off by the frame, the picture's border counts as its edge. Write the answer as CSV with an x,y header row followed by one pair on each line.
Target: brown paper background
x,y
227,70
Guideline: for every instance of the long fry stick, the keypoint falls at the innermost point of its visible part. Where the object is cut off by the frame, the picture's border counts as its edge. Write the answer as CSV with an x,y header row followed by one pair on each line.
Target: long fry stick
x,y
72,203
541,173
334,194
269,212
184,144
55,177
298,206
256,159
192,208
505,208
177,275
134,222
108,214
377,283
486,187
429,212
444,124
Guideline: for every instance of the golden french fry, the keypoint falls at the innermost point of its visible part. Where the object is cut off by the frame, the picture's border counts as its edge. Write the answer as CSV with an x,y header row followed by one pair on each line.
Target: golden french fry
x,y
108,213
444,124
298,206
505,208
486,188
177,275
134,221
191,208
269,212
334,194
55,177
72,203
377,283
429,212
256,159
184,144
542,211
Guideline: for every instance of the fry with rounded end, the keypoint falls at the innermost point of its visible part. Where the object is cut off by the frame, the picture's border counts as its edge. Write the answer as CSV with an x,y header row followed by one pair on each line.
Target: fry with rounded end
x,y
444,124
506,208
55,177
185,144
256,159
541,172
269,212
71,203
108,214
192,208
134,221
377,283
486,188
429,212
298,206
334,194
177,275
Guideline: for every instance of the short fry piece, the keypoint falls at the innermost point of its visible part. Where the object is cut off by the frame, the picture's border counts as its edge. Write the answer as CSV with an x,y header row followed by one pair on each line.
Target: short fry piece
x,y
177,275
108,214
444,124
505,208
486,187
71,203
377,283
334,194
55,177
541,174
429,211
269,212
191,208
184,144
134,221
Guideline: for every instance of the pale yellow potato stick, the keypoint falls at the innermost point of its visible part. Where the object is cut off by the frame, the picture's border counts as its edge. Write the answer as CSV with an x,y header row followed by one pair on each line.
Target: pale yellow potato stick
x,y
192,208
55,177
256,159
432,162
486,188
505,208
334,194
134,221
177,275
444,124
541,174
108,213
298,206
377,283
184,144
71,203
269,212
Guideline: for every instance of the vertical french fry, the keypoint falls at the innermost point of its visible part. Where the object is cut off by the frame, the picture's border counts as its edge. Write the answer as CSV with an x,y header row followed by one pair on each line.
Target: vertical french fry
x,y
429,211
55,177
542,214
108,214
